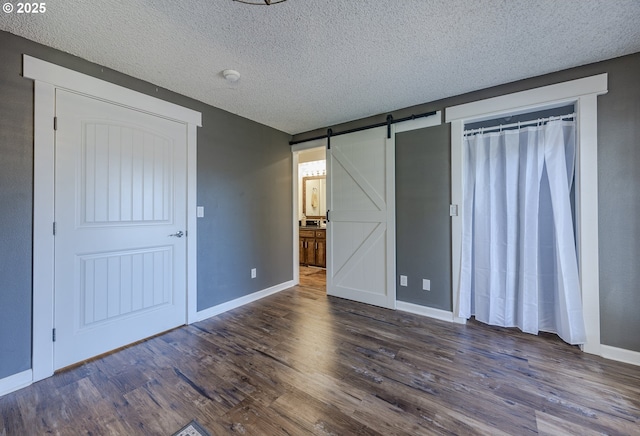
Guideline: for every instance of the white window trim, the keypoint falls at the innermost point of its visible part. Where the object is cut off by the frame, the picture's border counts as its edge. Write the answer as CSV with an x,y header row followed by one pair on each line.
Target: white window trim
x,y
583,93
49,77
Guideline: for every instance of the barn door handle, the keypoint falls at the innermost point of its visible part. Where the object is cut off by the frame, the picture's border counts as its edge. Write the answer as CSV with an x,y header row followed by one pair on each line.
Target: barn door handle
x,y
180,234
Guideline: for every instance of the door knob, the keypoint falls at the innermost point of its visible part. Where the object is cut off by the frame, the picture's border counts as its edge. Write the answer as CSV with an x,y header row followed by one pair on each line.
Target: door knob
x,y
180,234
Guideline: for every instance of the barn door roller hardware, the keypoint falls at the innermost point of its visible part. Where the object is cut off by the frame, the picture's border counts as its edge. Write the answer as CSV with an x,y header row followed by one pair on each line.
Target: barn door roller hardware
x,y
387,123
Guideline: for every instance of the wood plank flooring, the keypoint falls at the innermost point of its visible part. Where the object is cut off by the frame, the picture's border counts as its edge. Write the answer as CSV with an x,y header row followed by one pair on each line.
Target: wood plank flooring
x,y
300,362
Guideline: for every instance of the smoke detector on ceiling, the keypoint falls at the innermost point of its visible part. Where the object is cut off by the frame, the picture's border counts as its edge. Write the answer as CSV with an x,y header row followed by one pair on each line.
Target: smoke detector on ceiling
x,y
231,75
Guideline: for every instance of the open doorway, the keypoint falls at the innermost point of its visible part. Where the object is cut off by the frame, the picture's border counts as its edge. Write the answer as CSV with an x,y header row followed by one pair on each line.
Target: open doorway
x,y
310,209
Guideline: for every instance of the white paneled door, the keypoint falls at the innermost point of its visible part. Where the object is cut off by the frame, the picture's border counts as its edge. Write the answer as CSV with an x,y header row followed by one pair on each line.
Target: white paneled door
x,y
120,213
361,229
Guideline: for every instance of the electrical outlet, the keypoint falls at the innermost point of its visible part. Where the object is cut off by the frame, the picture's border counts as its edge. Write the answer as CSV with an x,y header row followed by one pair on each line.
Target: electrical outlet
x,y
254,273
403,280
426,284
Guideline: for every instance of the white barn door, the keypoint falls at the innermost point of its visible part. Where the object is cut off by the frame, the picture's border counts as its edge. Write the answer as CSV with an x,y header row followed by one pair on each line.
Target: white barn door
x,y
361,228
120,192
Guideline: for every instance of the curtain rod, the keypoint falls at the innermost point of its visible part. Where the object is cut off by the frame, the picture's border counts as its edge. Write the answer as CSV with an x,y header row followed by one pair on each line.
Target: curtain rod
x,y
330,133
518,124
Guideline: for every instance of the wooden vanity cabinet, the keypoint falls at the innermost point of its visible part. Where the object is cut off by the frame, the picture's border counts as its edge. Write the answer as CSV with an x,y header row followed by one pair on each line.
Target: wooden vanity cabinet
x,y
313,248
321,248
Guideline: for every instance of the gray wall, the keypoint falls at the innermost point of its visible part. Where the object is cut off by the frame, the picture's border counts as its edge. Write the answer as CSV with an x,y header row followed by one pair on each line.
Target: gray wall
x,y
244,183
618,184
619,204
423,225
16,187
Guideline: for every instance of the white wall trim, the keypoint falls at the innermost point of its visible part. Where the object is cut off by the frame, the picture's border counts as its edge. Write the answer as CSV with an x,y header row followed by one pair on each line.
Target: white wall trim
x,y
391,242
550,95
583,93
65,78
457,128
43,241
15,382
49,77
296,228
620,354
192,223
239,302
442,315
587,218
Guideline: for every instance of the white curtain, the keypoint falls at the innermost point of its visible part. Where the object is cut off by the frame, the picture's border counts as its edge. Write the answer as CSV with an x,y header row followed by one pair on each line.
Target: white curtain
x,y
519,263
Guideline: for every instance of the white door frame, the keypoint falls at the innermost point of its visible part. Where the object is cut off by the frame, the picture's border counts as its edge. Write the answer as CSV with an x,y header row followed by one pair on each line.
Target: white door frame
x,y
49,77
583,93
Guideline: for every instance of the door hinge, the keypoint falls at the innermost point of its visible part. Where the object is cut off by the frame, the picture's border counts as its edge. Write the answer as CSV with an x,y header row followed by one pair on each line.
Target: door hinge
x,y
55,123
54,228
53,335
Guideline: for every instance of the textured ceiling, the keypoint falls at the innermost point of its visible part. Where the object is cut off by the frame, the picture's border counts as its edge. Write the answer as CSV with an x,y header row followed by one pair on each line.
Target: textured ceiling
x,y
307,64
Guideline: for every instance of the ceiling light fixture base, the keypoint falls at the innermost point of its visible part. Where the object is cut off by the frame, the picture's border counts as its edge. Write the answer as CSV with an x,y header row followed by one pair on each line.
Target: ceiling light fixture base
x,y
231,75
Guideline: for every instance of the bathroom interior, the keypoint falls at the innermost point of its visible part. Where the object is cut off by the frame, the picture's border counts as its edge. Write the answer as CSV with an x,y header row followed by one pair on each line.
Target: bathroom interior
x,y
312,207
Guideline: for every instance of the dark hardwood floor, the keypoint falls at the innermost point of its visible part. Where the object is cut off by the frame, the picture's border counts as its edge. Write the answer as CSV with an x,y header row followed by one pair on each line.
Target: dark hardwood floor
x,y
301,363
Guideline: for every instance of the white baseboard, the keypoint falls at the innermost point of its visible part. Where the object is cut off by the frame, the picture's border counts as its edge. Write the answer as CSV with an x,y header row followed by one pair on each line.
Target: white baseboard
x,y
430,312
606,351
15,382
620,354
233,304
